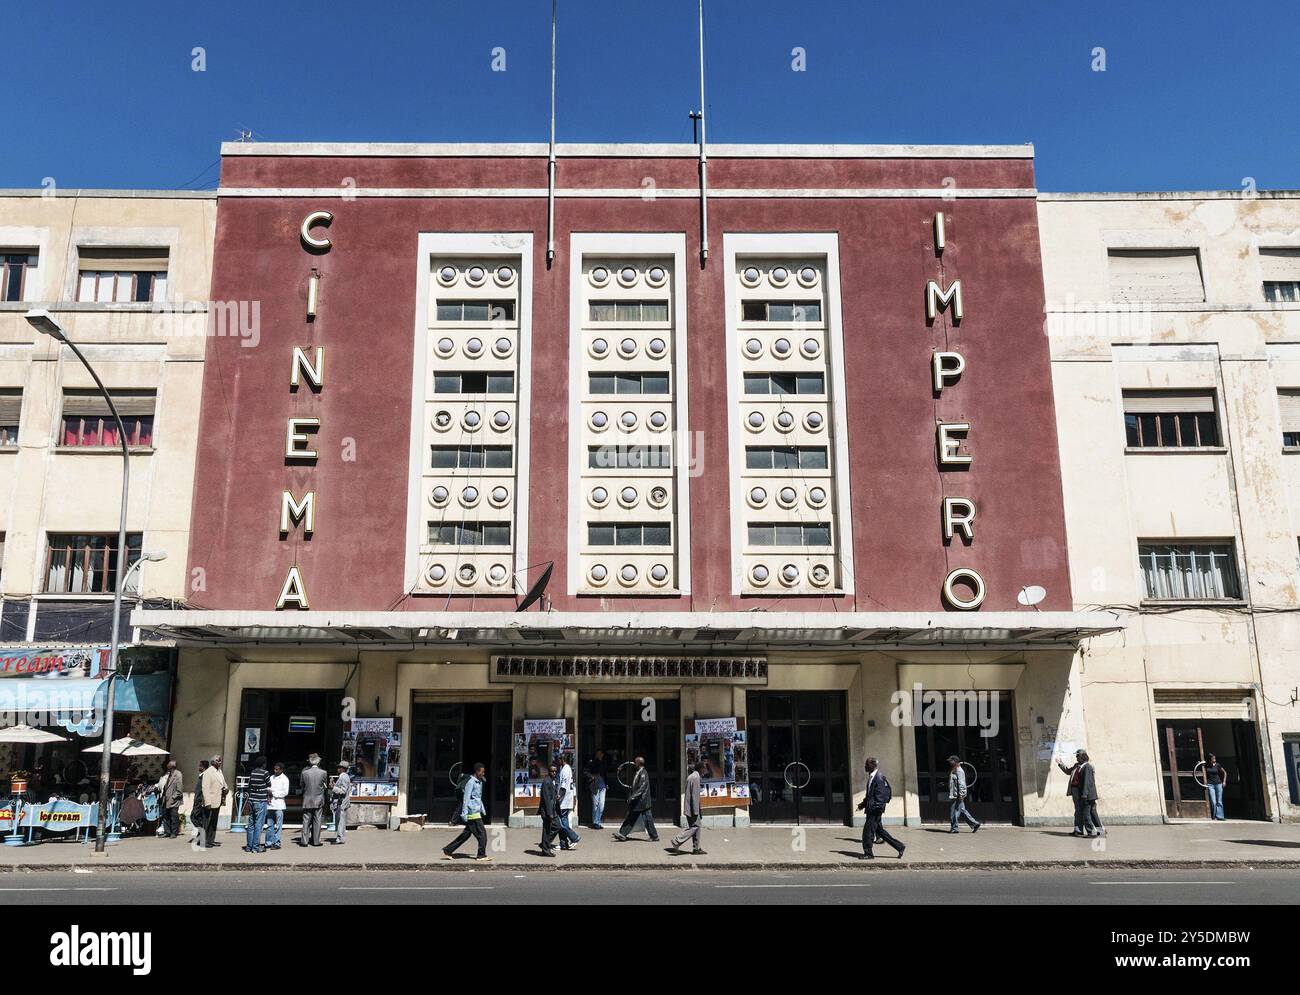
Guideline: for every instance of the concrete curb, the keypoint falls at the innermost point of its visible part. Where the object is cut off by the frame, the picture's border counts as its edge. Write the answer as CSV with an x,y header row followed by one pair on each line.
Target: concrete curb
x,y
879,865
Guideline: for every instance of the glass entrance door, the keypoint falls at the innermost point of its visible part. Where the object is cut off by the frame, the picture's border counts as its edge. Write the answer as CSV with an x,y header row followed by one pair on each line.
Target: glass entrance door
x,y
993,795
615,727
447,739
798,757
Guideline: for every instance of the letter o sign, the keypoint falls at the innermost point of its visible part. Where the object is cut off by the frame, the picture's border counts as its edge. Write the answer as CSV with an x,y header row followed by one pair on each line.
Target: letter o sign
x,y
316,218
972,578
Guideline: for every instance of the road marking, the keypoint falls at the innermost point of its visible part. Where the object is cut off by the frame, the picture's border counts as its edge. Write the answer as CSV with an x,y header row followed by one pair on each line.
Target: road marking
x,y
792,886
467,887
58,889
1153,883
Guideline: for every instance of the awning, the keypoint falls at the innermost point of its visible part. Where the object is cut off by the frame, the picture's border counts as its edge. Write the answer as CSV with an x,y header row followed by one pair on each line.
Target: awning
x,y
576,631
77,704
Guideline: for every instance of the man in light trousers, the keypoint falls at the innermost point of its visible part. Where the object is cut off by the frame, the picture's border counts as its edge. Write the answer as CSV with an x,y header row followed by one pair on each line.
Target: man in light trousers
x,y
340,794
693,814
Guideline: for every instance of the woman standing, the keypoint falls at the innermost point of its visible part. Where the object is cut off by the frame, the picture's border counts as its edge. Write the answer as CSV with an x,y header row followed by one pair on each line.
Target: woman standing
x,y
1215,778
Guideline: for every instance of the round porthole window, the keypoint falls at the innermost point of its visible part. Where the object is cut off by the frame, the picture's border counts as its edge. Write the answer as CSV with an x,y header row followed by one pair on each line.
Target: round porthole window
x,y
599,421
445,347
757,496
785,421
811,348
447,275
628,574
814,421
598,574
442,420
467,573
658,575
755,421
750,276
504,275
786,497
627,497
627,347
658,420
627,420
808,276
472,420
658,496
474,347
753,348
779,276
759,575
789,574
627,276
599,348
499,496
469,496
503,347
820,575
599,497
780,348
436,574
657,348
438,496
817,496
656,276
475,276
599,276
501,421
497,574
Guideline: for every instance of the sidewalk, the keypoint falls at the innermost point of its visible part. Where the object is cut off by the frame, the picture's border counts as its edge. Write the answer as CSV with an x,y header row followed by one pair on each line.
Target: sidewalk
x,y
1224,844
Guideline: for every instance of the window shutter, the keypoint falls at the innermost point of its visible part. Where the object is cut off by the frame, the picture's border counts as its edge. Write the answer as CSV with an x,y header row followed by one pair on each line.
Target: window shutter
x,y
1167,402
130,403
11,405
1280,265
1288,402
1158,275
137,260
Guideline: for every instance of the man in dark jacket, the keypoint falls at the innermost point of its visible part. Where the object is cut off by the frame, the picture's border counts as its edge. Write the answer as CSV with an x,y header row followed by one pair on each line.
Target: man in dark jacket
x,y
1083,789
638,805
877,797
549,812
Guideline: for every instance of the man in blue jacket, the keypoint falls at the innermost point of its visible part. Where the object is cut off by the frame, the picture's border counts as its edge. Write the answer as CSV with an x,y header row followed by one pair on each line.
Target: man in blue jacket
x,y
877,797
471,814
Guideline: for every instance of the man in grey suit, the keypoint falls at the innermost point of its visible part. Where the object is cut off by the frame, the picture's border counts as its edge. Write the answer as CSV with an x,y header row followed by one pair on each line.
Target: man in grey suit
x,y
313,801
692,813
638,805
339,800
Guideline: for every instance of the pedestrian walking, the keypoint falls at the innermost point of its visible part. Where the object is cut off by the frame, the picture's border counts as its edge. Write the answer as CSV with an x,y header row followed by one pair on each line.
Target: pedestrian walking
x,y
198,817
568,793
1083,789
340,798
596,785
313,801
471,814
170,795
214,790
957,795
276,806
259,795
693,814
639,804
548,810
873,804
1215,779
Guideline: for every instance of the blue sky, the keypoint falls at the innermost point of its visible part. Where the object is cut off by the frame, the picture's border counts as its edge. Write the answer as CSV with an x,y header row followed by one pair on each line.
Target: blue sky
x,y
1195,95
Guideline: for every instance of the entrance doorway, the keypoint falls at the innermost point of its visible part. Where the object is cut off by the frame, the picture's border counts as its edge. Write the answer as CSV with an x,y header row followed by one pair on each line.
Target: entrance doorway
x,y
447,739
798,757
615,726
1187,743
286,727
993,795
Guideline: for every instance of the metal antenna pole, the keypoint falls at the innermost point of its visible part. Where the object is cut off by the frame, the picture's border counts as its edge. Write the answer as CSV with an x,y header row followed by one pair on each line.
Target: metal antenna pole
x,y
704,157
550,188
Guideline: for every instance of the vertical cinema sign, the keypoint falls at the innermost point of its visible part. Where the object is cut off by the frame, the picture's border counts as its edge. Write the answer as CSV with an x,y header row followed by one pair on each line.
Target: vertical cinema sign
x,y
300,433
946,367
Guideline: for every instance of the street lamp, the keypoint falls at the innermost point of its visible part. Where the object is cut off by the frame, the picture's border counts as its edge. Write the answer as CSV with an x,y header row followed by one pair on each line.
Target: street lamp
x,y
45,323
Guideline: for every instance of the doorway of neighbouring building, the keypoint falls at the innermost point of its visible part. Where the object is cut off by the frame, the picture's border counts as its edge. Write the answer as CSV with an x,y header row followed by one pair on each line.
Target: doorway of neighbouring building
x,y
1185,744
617,727
447,739
287,726
992,794
798,757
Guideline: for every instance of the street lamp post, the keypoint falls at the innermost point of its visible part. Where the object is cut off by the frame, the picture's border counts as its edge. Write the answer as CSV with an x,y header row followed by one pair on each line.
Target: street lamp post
x,y
45,323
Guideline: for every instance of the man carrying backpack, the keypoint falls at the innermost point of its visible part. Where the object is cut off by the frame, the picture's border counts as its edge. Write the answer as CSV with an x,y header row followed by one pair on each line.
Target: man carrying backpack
x,y
877,797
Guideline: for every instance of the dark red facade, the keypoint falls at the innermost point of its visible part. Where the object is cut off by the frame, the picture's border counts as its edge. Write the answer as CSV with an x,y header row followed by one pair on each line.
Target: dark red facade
x,y
355,560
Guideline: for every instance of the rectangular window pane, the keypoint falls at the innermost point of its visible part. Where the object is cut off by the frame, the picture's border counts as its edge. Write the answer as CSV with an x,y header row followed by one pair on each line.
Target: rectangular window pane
x,y
496,534
811,383
603,311
753,311
657,535
757,383
1189,571
500,457
501,383
817,535
812,458
600,383
654,383
789,534
758,458
761,535
449,311
446,383
600,535
627,535
655,311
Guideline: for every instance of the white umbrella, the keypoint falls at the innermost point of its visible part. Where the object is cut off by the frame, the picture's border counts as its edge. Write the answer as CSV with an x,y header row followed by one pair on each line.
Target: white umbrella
x,y
27,734
128,747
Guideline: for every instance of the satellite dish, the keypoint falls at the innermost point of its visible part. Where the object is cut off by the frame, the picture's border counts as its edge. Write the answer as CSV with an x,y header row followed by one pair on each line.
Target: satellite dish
x,y
535,592
1031,595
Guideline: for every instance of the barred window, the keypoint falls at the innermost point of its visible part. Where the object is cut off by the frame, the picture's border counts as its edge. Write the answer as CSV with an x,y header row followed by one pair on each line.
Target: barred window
x,y
86,564
1170,419
1204,571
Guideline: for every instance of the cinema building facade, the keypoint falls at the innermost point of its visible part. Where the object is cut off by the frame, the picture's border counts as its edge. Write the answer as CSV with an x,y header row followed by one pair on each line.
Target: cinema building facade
x,y
781,464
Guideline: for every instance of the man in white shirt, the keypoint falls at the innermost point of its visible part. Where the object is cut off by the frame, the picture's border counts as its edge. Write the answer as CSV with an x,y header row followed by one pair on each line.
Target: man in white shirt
x,y
275,809
568,801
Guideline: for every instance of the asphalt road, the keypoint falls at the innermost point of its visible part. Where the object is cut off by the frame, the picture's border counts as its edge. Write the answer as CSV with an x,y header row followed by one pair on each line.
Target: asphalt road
x,y
489,887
